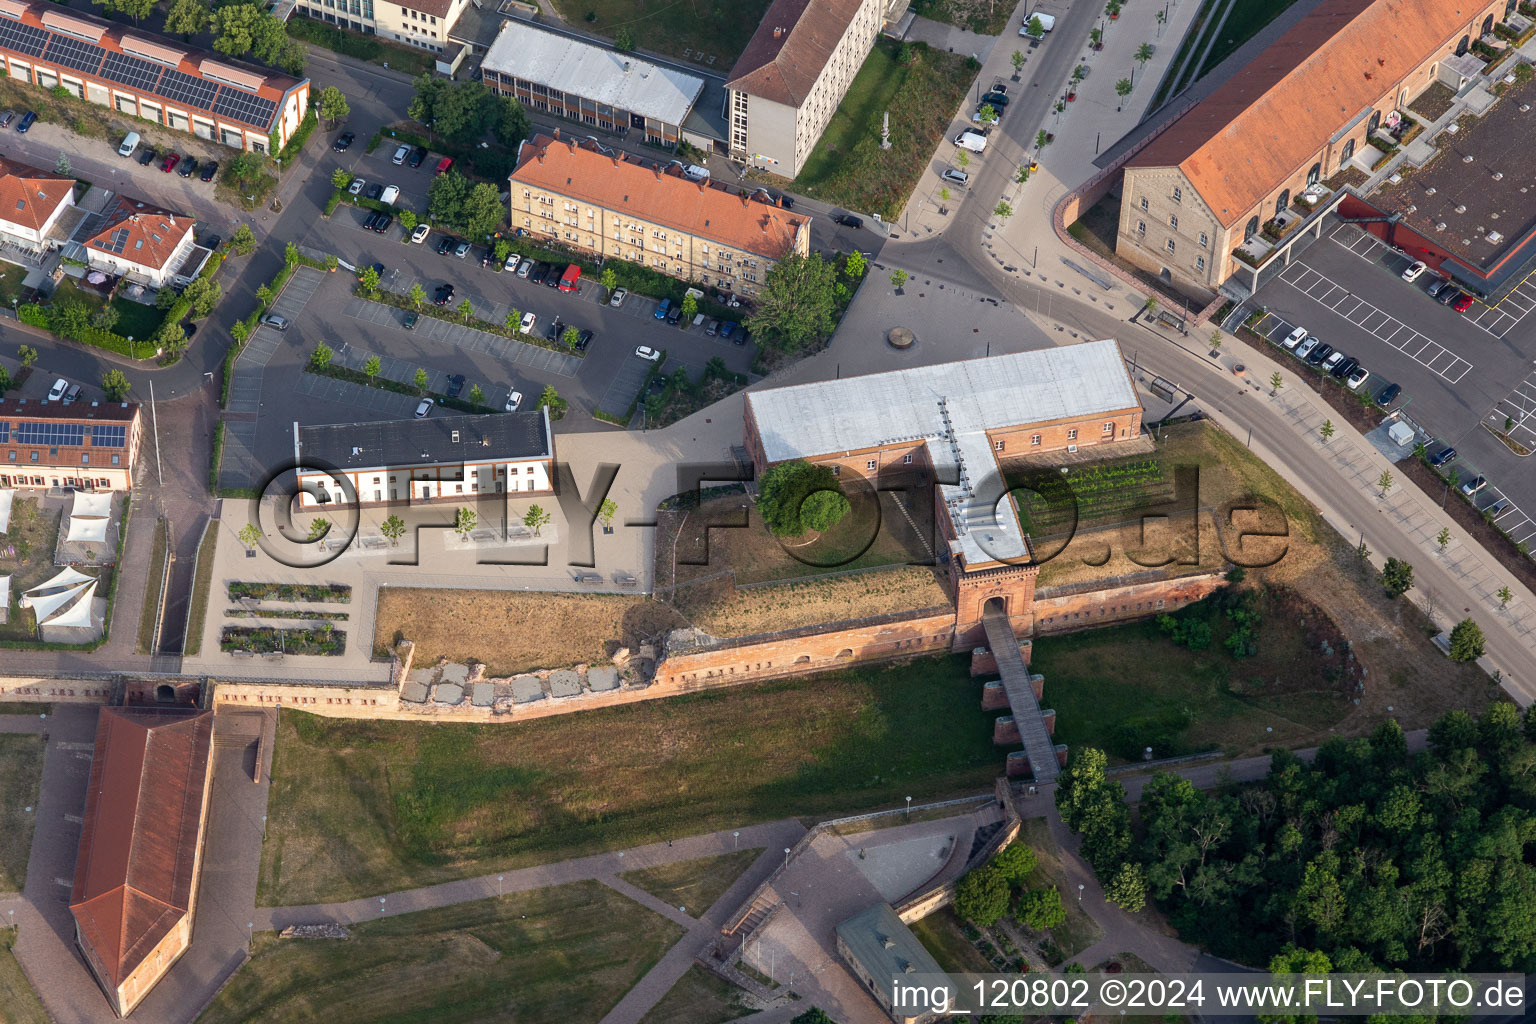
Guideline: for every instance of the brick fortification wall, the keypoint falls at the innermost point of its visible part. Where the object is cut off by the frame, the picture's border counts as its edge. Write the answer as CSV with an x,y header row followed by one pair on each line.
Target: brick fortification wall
x,y
41,689
1063,611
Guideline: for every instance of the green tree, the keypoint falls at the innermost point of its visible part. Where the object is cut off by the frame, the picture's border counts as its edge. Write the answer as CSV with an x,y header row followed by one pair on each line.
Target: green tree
x,y
1504,597
550,399
369,279
962,158
1127,888
569,338
446,198
460,111
1023,174
333,106
466,310
1002,210
135,9
186,17
1034,27
61,165
1443,538
609,280
986,114
795,308
1143,54
420,380
690,308
5,380
1397,577
1216,340
514,320
1466,641
319,528
1014,862
899,277
105,318
1092,804
71,317
512,125
1041,909
1276,382
249,535
28,356
823,510
245,28
393,527
171,338
244,240
265,295
1041,138
165,298
536,518
371,367
1017,59
981,897
115,385
408,221
1122,90
623,40
855,265
476,394
418,295
204,293
812,1016
1295,960
606,511
1384,482
783,491
240,331
1326,431
341,177
291,255
482,210
464,522
320,358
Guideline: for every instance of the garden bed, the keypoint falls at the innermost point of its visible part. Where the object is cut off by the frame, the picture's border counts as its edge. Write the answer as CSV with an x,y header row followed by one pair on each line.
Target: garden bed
x,y
265,640
320,593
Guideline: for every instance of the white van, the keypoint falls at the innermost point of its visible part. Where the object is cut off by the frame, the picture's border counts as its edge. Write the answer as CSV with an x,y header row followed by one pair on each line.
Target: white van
x,y
971,140
130,143
695,172
390,195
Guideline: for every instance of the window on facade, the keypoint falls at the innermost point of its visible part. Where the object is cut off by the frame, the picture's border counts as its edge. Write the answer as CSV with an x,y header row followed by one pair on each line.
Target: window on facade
x,y
1034,440
1173,221
906,460
871,464
1205,240
1199,262
1109,427
1349,151
997,446
1178,195
1170,246
1141,228
837,470
1282,201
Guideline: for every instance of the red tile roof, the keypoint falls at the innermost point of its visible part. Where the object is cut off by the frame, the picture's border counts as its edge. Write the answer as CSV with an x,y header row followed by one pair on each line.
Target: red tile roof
x,y
142,234
143,822
1266,122
790,48
622,183
29,196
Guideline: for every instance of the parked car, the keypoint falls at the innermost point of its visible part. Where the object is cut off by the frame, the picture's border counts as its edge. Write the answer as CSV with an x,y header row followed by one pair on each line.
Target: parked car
x,y
674,315
443,165
848,220
125,148
382,224
617,298
275,320
526,267
571,278
1306,347
59,390
26,121
1474,485
554,274
1496,508
410,321
528,321
343,142
188,167
1415,268
423,409
443,294
147,156
212,242
73,395
954,176
417,156
713,328
1294,338
455,385
357,186
1442,457
997,98
584,339
420,234
555,330
1437,286
377,268
647,353
375,190
1387,395
1462,303
514,400
170,163
210,169
1357,378
400,154
997,116
972,140
1320,353
390,194
661,310
539,273
6,118
1447,294
488,259
461,250
445,245
727,328
1332,360
513,259
372,219
1345,368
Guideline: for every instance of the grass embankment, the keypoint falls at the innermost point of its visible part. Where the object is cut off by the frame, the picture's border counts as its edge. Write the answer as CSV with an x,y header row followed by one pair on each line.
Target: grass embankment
x,y
550,956
21,776
197,611
153,580
18,1002
699,997
695,884
361,808
691,32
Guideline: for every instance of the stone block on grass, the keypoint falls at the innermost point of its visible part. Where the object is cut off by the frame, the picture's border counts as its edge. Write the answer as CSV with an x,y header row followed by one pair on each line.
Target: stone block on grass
x,y
564,683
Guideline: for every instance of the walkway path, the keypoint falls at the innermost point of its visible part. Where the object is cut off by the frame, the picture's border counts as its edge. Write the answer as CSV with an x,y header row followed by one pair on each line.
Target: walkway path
x,y
1021,696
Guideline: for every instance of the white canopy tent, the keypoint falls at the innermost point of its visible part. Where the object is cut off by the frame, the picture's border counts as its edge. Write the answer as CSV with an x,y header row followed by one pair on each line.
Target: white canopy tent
x,y
92,503
46,606
77,614
5,509
87,530
68,577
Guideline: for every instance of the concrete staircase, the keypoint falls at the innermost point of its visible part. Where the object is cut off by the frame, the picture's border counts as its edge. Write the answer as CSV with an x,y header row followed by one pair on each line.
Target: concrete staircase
x,y
1021,697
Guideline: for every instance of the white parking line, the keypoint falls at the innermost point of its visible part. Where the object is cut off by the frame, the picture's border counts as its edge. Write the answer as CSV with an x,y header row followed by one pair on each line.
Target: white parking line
x,y
1394,332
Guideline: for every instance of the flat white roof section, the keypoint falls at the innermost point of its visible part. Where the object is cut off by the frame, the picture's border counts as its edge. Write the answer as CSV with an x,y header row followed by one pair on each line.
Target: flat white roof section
x,y
619,80
808,420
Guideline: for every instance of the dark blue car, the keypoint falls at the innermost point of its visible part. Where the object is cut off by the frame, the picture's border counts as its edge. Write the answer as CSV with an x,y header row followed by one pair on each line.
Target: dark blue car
x,y
26,122
661,310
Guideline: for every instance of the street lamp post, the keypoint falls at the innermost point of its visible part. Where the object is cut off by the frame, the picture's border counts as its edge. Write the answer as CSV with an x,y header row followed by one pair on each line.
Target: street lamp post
x,y
735,840
381,903
786,857
1079,892
250,935
909,809
498,887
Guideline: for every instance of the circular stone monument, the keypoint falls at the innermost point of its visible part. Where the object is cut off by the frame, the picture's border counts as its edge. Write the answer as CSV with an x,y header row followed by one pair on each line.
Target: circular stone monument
x,y
901,337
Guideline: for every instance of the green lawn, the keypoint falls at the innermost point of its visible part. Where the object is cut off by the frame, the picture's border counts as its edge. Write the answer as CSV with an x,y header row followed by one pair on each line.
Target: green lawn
x,y
11,276
197,610
940,934
921,88
699,997
411,60
136,320
360,808
21,775
988,17
152,581
695,884
18,1003
561,955
1078,931
1245,21
690,30
33,534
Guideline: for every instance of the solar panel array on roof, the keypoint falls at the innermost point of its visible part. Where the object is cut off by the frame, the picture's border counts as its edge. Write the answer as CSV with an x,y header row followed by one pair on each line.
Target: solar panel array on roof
x,y
5,431
108,436
22,38
131,72
243,106
181,87
73,53
116,242
32,432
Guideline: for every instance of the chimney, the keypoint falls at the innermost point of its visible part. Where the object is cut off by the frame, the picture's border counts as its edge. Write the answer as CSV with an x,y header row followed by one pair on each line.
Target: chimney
x,y
557,134
572,143
777,32
626,67
702,185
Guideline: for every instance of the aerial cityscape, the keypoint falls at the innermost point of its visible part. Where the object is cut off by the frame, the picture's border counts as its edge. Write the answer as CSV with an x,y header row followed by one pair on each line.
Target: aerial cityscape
x,y
859,511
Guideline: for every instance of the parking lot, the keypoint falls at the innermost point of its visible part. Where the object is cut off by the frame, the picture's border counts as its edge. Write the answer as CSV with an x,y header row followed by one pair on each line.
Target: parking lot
x,y
1458,374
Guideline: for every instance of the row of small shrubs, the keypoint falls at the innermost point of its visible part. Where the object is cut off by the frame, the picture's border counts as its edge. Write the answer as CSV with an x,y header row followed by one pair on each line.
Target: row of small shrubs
x,y
329,593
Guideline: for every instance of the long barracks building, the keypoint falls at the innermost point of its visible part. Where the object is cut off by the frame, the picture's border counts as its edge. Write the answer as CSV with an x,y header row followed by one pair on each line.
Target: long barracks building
x,y
151,77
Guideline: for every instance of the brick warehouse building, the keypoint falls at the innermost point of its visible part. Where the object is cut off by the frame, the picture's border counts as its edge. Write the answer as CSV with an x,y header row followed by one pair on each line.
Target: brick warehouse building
x,y
150,77
954,426
1294,116
49,444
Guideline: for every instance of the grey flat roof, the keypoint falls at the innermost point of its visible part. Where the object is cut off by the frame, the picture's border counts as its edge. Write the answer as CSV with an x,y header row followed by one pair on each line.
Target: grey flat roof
x,y
426,442
619,80
807,420
886,948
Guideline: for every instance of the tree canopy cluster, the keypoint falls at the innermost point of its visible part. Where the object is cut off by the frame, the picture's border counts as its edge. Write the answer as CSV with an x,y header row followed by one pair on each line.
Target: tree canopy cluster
x,y
795,309
463,112
796,496
474,209
1371,856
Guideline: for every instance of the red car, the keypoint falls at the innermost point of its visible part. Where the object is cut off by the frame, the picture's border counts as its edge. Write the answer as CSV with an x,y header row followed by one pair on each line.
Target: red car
x,y
170,162
1463,303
